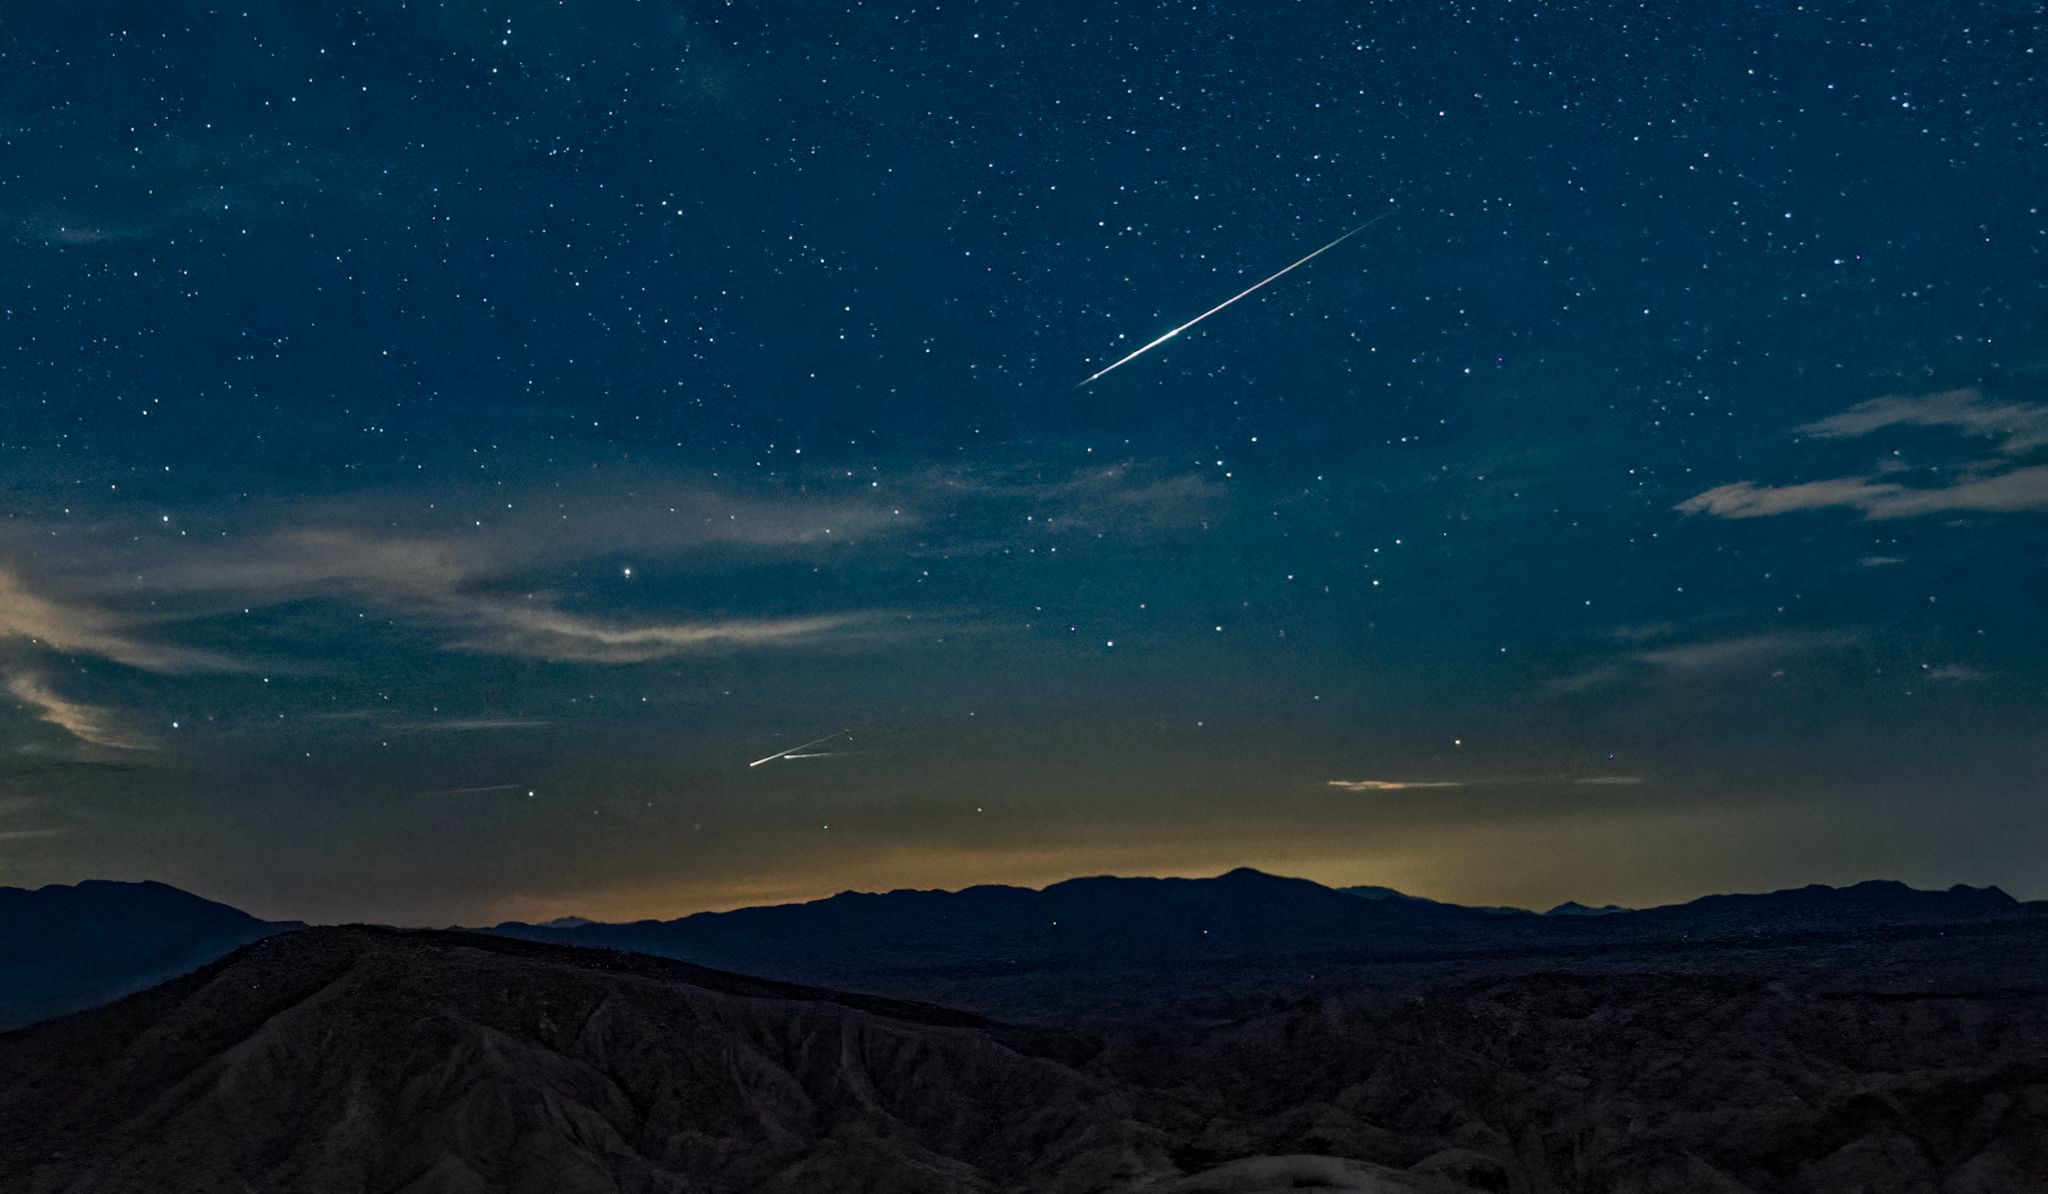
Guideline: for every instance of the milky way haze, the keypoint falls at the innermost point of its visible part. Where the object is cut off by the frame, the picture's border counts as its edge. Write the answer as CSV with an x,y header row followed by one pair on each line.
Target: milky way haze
x,y
441,446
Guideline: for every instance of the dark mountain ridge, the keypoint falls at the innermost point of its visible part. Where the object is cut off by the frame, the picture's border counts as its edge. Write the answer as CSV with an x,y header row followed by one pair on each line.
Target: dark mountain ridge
x,y
1574,908
1077,923
63,948
1872,902
67,948
1243,913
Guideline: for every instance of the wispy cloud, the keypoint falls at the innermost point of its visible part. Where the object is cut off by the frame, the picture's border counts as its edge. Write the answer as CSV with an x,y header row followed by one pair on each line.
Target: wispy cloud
x,y
2018,426
458,725
1995,485
2018,490
448,582
1589,679
1717,654
501,572
464,577
76,628
1951,673
548,633
1407,785
87,723
1123,498
1392,785
1702,657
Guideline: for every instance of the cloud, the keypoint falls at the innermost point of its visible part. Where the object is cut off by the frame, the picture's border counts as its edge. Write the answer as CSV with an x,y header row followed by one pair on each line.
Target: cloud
x,y
1120,498
2019,426
1699,658
443,581
73,627
2017,490
292,565
547,633
1718,654
1746,499
1392,785
463,569
469,564
470,724
76,230
1589,679
1988,486
1951,673
1406,785
87,723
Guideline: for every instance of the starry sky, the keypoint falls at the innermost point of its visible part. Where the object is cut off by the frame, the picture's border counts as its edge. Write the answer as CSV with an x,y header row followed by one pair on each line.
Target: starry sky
x,y
442,445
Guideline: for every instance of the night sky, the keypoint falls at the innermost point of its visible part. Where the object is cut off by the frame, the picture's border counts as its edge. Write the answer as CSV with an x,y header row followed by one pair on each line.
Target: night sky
x,y
442,445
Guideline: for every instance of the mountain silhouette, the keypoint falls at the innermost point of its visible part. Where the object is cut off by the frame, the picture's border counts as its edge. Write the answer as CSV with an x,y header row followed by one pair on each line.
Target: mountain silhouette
x,y
1010,951
1574,908
63,948
1818,907
1076,924
855,937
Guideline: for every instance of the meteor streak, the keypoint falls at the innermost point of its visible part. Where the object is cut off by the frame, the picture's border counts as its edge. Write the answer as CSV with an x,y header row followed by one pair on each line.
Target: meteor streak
x,y
791,753
1233,298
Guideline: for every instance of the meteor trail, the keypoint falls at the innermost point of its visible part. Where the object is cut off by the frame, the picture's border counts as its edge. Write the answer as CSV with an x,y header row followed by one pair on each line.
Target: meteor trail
x,y
1233,298
791,753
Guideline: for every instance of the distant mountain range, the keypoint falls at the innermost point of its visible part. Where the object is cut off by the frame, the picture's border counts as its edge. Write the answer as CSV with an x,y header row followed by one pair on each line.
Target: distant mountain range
x,y
877,941
66,948
1388,893
1077,923
1574,908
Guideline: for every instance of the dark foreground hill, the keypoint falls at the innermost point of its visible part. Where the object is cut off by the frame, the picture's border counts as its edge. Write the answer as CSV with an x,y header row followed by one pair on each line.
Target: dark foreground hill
x,y
356,1060
65,948
367,1059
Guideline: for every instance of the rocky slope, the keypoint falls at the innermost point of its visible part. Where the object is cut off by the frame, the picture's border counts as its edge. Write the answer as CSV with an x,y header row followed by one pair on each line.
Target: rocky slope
x,y
364,1059
356,1060
1646,1083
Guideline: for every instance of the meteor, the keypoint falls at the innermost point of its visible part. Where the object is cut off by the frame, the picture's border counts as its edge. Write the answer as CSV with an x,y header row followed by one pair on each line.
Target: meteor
x,y
791,753
1233,298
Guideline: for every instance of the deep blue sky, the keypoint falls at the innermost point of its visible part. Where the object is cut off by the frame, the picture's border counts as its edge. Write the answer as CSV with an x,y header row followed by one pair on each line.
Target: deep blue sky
x,y
442,445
